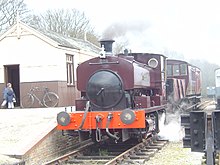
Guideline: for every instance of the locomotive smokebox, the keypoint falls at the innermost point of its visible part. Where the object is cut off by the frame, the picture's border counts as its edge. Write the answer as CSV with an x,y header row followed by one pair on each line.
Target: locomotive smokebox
x,y
107,43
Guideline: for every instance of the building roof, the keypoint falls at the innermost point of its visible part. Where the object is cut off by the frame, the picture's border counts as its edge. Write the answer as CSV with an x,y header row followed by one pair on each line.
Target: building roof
x,y
53,38
71,42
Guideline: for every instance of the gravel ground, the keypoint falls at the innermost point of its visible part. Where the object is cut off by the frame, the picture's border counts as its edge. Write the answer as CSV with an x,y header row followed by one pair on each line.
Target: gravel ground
x,y
174,154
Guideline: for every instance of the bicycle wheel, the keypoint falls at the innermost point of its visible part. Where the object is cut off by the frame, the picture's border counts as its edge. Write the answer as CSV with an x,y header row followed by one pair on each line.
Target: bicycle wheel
x,y
50,99
27,101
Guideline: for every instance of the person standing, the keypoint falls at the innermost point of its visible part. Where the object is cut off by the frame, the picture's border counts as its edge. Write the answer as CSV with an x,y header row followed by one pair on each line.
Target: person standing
x,y
9,96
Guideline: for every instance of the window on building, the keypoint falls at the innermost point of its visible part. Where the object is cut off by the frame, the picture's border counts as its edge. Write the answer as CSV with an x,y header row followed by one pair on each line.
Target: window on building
x,y
70,69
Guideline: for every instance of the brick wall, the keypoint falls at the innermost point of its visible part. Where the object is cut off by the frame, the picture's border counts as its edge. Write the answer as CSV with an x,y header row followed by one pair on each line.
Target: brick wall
x,y
53,145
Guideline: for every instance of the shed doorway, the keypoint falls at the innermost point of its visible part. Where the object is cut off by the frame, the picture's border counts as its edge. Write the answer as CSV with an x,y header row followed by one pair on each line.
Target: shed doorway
x,y
12,75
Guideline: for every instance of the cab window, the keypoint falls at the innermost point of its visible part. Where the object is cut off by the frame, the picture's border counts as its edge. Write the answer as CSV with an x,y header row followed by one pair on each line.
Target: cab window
x,y
176,70
169,70
183,69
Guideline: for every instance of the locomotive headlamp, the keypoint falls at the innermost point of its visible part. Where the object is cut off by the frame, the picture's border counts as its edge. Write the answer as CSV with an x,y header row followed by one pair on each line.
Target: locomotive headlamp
x,y
63,118
153,62
127,116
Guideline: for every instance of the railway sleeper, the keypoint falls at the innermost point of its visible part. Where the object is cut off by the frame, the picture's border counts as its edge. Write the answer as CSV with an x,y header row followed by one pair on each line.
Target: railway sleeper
x,y
147,149
79,161
149,153
152,148
141,153
161,142
134,156
114,153
134,161
156,146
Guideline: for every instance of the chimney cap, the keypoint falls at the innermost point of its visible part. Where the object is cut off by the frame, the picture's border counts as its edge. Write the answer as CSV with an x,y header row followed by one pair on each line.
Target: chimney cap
x,y
105,39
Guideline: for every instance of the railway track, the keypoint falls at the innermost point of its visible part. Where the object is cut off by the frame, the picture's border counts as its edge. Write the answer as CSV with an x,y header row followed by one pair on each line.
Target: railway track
x,y
110,153
203,105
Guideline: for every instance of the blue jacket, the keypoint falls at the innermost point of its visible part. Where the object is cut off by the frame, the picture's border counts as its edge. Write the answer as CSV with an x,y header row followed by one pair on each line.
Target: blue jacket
x,y
9,94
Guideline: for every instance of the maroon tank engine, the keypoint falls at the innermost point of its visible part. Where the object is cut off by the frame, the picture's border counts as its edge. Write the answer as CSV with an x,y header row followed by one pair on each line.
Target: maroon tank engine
x,y
121,95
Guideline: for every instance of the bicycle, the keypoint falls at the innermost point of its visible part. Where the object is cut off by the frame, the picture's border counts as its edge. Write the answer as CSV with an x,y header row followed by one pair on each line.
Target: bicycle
x,y
50,99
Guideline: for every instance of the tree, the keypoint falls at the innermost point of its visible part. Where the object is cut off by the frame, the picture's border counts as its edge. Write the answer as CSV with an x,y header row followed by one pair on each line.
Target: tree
x,y
9,12
68,22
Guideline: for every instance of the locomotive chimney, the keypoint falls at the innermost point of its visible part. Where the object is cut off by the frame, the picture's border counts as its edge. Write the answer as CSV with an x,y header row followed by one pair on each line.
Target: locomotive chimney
x,y
107,44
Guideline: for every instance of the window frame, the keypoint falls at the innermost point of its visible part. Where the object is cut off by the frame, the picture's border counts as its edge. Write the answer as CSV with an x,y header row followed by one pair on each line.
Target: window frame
x,y
183,69
169,70
70,70
176,70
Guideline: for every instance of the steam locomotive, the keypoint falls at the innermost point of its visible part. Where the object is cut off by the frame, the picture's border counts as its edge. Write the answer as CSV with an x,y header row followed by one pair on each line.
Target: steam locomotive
x,y
123,95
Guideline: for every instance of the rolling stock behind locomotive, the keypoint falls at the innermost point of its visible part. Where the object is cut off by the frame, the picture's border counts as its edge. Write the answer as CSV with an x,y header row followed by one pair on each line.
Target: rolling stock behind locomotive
x,y
183,83
122,96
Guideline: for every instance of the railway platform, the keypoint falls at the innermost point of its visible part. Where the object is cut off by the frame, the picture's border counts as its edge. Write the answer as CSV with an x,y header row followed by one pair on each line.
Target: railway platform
x,y
21,129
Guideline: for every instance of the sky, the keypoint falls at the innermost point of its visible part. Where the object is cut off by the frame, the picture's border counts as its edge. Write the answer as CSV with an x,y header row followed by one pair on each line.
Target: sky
x,y
187,27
